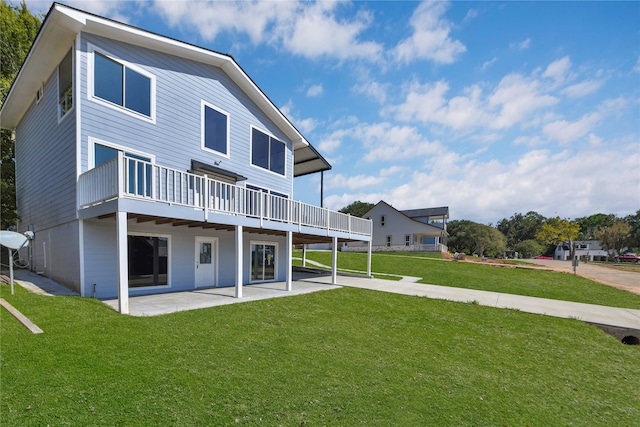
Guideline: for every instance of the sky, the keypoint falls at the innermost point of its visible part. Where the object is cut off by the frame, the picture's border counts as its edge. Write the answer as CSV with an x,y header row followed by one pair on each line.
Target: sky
x,y
489,108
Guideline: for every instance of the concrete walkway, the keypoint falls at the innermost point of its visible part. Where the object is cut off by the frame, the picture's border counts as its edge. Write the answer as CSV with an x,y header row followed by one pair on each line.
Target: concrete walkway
x,y
157,304
613,316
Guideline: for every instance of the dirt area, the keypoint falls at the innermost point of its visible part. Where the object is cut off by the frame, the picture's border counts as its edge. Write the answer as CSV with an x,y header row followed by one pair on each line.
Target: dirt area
x,y
621,278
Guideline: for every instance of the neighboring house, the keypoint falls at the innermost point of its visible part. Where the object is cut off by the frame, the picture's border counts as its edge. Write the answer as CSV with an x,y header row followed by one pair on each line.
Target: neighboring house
x,y
149,165
414,230
586,250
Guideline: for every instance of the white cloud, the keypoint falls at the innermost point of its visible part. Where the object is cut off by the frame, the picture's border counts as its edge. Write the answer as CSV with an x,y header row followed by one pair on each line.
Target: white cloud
x,y
315,90
523,45
385,141
582,89
311,30
530,141
489,63
558,70
372,89
564,131
329,145
315,32
353,182
427,103
517,97
303,125
575,184
430,38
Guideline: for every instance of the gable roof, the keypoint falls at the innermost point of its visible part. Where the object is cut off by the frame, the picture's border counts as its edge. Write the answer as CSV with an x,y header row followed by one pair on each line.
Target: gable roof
x,y
412,216
61,27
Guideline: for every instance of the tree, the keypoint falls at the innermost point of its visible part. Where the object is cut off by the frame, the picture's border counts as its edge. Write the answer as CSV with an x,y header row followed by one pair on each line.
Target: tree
x,y
556,230
520,227
357,208
590,225
528,248
634,222
615,238
487,239
19,29
460,236
470,237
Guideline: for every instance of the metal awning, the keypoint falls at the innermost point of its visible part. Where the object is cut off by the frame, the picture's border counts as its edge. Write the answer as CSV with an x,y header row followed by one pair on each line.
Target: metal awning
x,y
307,160
215,172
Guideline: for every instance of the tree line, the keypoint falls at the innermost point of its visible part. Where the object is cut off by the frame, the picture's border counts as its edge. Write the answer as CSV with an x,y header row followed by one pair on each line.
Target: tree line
x,y
533,234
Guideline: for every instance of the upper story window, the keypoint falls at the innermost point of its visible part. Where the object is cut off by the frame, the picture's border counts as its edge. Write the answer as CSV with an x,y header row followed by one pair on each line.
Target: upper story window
x,y
267,152
382,220
138,165
65,84
215,129
122,85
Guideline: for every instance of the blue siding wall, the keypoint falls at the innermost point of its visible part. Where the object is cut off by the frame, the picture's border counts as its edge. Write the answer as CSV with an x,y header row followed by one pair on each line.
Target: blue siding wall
x,y
100,263
46,186
46,162
175,139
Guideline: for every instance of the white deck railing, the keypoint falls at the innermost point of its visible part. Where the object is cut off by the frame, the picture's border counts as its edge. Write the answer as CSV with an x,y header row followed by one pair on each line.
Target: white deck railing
x,y
126,177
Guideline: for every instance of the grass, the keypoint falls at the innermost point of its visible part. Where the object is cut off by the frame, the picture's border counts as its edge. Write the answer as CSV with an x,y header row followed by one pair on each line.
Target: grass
x,y
519,281
332,358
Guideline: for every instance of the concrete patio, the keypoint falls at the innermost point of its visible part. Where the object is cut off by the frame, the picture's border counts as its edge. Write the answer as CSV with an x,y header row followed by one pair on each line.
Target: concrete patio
x,y
152,305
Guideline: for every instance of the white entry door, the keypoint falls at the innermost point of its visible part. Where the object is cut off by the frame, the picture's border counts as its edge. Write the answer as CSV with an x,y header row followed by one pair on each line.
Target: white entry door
x,y
206,262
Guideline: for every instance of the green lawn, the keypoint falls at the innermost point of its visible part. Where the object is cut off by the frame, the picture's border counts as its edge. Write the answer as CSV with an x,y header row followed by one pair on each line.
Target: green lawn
x,y
520,281
343,357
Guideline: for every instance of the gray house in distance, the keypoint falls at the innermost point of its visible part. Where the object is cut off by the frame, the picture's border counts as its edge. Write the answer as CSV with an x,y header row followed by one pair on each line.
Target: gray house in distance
x,y
147,165
413,230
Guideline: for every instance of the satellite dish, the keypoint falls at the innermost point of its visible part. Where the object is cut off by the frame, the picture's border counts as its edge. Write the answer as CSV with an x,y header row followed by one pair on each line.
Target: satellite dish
x,y
13,240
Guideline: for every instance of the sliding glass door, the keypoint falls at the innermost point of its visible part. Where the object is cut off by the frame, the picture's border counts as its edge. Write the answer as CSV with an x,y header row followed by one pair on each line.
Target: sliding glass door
x,y
263,261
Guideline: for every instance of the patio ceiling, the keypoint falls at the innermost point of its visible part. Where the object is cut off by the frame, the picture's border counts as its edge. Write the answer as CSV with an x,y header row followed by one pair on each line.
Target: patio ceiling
x,y
298,238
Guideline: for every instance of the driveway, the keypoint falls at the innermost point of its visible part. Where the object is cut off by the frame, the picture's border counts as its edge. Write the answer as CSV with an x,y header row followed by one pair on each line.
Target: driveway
x,y
629,281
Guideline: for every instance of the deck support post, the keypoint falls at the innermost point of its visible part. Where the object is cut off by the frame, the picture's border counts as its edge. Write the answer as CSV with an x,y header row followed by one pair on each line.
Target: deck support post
x,y
304,255
239,261
369,247
289,261
334,261
123,262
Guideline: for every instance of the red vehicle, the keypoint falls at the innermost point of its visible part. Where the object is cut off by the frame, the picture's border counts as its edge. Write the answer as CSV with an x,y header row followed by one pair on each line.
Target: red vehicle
x,y
629,258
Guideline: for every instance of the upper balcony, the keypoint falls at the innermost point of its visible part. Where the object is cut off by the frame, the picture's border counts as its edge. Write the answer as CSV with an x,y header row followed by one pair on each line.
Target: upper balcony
x,y
160,188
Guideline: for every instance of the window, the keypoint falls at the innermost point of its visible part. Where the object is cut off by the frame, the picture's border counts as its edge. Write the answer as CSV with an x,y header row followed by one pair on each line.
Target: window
x,y
407,240
148,261
267,152
138,168
388,243
215,129
263,261
40,93
65,84
382,220
121,85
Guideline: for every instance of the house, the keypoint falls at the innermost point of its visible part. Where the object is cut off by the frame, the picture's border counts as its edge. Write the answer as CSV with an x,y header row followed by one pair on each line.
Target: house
x,y
586,250
414,230
149,165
